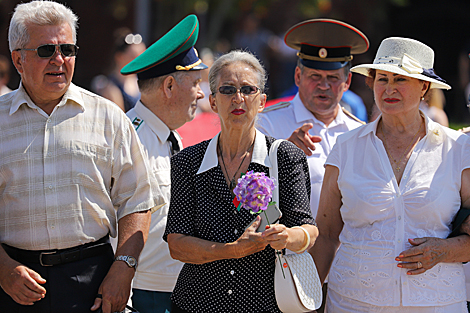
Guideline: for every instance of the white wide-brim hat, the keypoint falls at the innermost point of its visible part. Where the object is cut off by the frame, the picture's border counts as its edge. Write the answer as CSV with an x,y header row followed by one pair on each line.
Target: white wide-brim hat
x,y
407,57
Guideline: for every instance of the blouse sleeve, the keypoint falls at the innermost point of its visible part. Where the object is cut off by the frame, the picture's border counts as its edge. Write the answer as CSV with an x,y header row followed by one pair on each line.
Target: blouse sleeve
x,y
334,156
180,214
294,184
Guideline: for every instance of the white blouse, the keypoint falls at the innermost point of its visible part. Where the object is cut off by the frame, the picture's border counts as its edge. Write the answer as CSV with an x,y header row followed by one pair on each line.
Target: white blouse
x,y
380,216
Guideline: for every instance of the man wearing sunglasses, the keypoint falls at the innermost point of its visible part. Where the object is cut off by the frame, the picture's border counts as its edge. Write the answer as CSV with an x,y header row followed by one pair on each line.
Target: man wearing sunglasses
x,y
169,73
71,166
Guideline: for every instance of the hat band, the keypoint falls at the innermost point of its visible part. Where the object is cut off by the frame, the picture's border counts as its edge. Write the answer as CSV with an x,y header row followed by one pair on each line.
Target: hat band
x,y
430,73
188,67
410,65
314,58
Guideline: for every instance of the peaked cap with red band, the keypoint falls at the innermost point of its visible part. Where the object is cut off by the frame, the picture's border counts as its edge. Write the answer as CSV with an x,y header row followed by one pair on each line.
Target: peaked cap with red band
x,y
326,44
173,52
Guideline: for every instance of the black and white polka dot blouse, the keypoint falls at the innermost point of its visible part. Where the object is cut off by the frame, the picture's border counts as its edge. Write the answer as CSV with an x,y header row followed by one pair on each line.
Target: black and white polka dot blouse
x,y
201,206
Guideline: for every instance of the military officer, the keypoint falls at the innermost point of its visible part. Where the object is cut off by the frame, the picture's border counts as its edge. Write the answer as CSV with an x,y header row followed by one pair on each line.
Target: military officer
x,y
314,118
169,73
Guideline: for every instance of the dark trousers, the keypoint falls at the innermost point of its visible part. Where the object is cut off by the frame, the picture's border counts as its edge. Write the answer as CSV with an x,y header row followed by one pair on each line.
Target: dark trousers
x,y
149,301
70,287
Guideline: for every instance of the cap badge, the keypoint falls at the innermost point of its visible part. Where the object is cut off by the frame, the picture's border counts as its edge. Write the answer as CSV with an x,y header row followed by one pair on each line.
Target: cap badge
x,y
322,53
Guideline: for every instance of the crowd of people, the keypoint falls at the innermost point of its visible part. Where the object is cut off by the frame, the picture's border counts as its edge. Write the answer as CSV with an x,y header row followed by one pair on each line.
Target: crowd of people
x,y
382,206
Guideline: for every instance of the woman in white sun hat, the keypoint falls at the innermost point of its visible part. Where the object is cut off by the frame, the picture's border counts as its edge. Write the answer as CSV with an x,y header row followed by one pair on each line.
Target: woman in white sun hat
x,y
390,193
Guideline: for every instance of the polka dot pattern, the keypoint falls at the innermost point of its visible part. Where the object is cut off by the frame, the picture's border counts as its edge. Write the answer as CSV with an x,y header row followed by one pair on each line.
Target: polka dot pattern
x,y
201,206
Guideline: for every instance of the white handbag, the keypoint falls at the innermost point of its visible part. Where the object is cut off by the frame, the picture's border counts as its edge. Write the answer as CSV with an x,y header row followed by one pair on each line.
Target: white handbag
x,y
300,290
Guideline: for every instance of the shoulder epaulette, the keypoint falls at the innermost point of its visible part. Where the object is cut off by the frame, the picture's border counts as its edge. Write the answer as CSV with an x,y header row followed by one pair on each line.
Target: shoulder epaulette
x,y
136,122
465,130
276,106
352,116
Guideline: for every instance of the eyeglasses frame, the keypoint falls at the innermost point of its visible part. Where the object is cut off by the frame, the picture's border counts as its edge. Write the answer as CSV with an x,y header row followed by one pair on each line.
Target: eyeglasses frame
x,y
56,46
238,90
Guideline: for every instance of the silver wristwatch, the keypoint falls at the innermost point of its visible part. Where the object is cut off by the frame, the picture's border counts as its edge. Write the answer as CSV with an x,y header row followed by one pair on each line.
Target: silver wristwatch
x,y
130,260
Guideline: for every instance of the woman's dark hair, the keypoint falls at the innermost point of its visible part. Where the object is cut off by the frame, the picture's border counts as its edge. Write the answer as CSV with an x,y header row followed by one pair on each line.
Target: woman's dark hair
x,y
371,78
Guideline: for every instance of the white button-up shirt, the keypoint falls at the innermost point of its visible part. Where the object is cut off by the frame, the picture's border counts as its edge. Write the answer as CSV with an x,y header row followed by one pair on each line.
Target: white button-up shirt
x,y
280,122
67,177
156,270
380,216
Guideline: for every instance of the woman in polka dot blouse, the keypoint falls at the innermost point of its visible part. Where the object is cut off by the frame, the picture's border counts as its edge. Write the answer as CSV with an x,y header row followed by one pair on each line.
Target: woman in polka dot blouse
x,y
228,268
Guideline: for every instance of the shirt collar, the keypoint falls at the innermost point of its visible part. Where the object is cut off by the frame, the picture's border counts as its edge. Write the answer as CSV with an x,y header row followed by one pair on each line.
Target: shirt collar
x,y
260,153
154,122
302,114
22,97
371,127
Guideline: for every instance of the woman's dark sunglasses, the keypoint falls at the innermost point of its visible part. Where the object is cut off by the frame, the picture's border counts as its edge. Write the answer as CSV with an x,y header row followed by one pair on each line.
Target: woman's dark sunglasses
x,y
47,51
231,90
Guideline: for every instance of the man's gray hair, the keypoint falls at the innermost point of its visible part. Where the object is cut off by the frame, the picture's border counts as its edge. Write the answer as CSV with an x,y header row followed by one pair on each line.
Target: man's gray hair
x,y
233,57
155,83
41,13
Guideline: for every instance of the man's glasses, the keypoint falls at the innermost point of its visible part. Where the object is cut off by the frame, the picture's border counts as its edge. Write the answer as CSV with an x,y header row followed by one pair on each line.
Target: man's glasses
x,y
47,51
231,90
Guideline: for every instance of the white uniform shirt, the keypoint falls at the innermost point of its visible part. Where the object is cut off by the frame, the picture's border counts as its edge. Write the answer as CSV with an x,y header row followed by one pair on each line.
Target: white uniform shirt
x,y
380,216
281,120
156,270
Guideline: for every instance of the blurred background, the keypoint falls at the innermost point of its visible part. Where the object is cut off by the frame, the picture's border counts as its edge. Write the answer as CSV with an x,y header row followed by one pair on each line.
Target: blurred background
x,y
260,25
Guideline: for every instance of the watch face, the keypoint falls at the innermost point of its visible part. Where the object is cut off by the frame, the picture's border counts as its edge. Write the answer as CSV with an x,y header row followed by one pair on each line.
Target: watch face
x,y
131,261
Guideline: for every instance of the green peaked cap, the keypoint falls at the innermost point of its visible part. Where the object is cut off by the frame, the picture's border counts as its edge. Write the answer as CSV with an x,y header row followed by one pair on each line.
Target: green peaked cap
x,y
172,52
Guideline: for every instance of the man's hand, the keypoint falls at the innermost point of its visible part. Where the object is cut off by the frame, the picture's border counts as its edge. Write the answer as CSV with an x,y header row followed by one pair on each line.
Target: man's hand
x,y
115,288
302,139
21,283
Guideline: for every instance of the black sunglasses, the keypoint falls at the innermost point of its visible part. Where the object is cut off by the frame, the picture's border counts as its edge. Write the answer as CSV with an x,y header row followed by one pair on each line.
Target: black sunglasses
x,y
231,90
47,51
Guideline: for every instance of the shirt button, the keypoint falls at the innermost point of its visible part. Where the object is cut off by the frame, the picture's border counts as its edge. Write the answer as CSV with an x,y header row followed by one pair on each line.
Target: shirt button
x,y
49,121
232,272
230,292
235,231
50,186
399,217
49,154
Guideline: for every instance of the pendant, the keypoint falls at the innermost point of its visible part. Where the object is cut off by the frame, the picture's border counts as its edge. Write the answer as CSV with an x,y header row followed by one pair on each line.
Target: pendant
x,y
232,184
398,168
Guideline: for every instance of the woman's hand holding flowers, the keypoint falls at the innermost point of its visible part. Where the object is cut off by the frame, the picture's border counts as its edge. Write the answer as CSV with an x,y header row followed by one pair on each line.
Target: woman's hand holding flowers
x,y
277,236
250,241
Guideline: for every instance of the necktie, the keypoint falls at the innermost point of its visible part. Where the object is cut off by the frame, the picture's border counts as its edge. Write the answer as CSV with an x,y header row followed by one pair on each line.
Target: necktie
x,y
174,145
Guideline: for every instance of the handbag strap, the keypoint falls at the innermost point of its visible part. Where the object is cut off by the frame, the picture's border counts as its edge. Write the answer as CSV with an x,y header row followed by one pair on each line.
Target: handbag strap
x,y
273,170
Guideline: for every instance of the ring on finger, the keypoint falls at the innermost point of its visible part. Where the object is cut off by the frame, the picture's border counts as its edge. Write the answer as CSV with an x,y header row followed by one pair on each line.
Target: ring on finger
x,y
420,265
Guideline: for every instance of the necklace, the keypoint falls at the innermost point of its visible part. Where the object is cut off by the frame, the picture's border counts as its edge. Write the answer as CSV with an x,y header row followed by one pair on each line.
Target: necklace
x,y
397,168
232,181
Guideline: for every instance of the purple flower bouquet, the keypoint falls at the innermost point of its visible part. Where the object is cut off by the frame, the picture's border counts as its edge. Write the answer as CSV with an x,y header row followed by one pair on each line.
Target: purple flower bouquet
x,y
254,191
